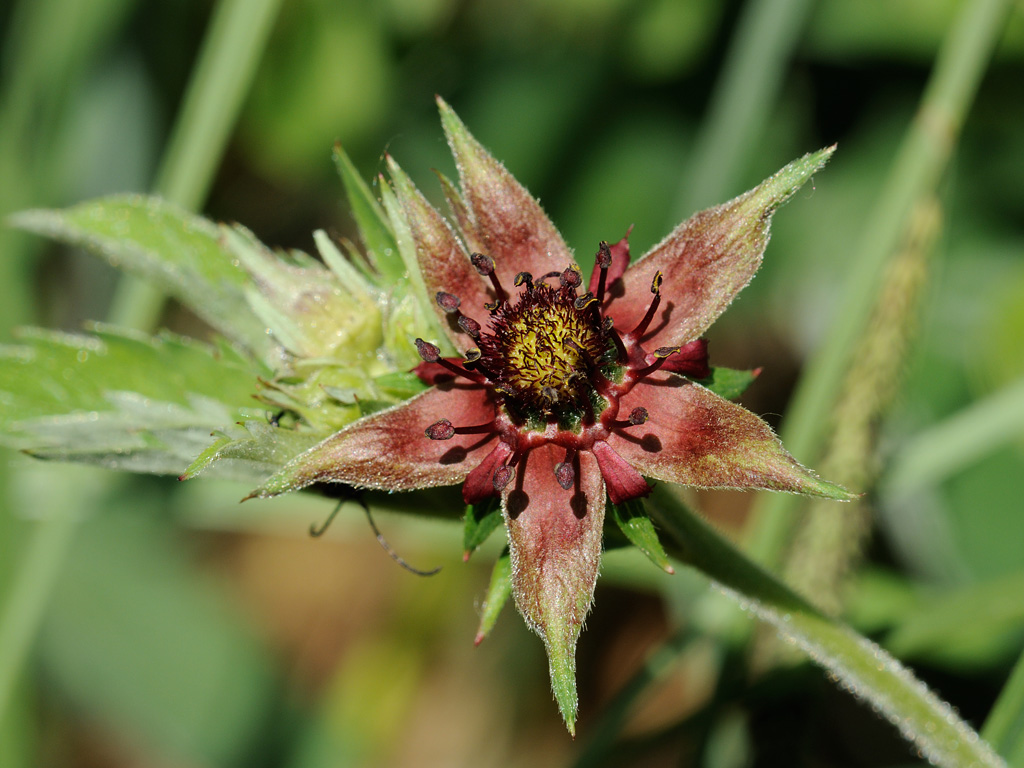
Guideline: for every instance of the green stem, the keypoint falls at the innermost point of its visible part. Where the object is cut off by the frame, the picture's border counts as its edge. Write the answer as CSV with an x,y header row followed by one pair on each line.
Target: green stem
x,y
857,663
750,78
1004,728
921,161
227,63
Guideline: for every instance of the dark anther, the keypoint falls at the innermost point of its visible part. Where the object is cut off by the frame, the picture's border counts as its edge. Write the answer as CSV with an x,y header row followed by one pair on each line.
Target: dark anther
x,y
440,430
665,351
565,474
473,354
638,416
469,325
604,260
448,302
571,276
429,352
503,476
491,306
524,277
585,300
656,282
484,264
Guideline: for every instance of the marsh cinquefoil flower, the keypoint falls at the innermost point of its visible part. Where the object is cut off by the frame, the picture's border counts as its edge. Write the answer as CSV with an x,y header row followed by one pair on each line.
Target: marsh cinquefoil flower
x,y
564,393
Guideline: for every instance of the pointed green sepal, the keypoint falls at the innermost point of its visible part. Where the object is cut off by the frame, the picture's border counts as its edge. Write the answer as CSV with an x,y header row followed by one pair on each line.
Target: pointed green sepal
x,y
479,523
374,227
729,383
498,593
637,527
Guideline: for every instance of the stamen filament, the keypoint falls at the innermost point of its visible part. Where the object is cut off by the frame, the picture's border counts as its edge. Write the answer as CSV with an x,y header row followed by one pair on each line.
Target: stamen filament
x,y
662,354
637,332
604,260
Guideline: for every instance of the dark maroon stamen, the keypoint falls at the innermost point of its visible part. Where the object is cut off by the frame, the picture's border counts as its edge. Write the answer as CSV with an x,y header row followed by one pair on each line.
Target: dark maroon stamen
x,y
565,475
604,260
469,326
662,354
637,332
548,275
429,352
564,472
440,430
637,417
485,266
584,301
571,277
503,476
432,354
448,302
524,277
444,430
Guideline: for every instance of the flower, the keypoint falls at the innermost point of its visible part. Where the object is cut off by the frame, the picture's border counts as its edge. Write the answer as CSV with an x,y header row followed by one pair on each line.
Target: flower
x,y
563,395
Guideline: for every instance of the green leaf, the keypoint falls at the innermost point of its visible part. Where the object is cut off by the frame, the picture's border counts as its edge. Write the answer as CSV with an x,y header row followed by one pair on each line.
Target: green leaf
x,y
251,451
1004,728
859,665
729,382
401,385
374,226
498,592
479,523
633,521
182,253
121,399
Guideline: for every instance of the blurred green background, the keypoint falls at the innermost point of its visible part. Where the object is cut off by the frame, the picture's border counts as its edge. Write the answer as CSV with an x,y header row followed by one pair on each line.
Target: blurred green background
x,y
165,625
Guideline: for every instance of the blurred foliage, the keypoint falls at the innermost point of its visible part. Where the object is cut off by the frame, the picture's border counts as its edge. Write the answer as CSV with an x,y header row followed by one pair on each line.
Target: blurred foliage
x,y
184,630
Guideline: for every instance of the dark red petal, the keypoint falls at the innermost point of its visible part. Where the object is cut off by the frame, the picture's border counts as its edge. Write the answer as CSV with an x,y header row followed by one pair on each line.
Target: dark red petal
x,y
555,543
504,220
622,480
389,451
694,437
691,360
480,482
620,260
708,259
